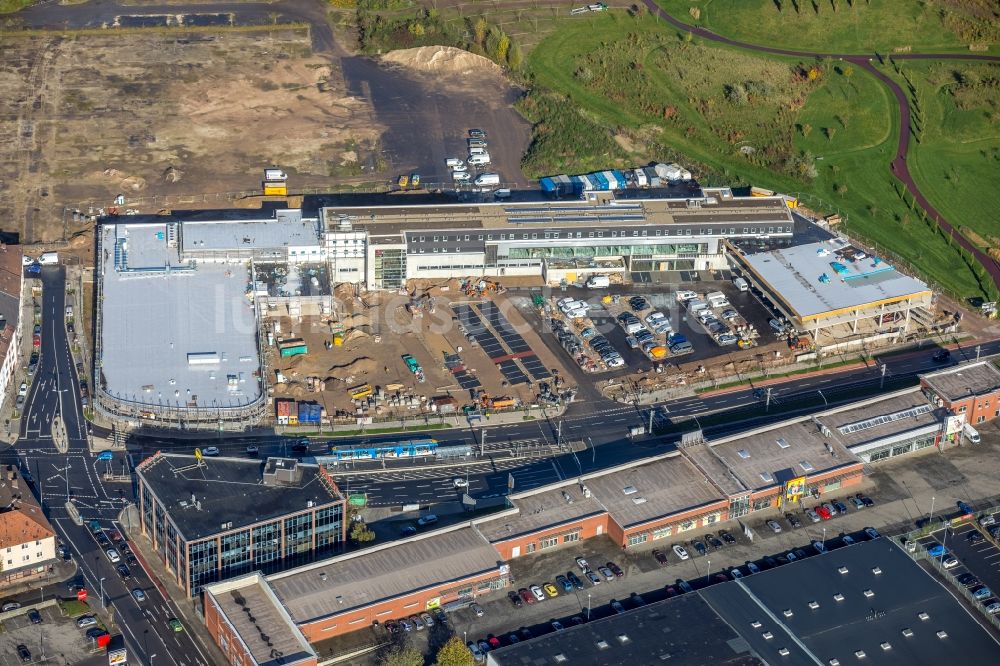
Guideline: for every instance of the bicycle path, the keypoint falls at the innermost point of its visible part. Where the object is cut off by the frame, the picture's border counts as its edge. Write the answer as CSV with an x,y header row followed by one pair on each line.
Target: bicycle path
x,y
898,166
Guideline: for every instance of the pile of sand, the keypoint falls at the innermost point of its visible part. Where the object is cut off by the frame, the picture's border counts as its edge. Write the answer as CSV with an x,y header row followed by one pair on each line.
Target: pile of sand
x,y
359,366
442,60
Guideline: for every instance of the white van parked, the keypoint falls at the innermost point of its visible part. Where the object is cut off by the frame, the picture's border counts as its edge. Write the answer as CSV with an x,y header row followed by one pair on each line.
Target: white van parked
x,y
741,284
971,433
49,258
476,160
598,281
488,179
453,162
477,151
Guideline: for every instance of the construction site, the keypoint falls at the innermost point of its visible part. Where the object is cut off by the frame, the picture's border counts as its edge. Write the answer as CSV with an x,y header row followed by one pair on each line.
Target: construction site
x,y
435,350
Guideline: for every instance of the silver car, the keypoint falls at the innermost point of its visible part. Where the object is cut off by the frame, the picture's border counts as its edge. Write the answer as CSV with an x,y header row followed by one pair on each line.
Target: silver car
x,y
813,516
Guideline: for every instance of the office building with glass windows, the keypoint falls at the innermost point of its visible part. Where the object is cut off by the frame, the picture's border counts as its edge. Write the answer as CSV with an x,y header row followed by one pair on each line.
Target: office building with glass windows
x,y
381,246
212,519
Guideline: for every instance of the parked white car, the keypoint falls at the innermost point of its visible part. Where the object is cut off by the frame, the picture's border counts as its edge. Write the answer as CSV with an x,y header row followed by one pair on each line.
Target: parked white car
x,y
680,551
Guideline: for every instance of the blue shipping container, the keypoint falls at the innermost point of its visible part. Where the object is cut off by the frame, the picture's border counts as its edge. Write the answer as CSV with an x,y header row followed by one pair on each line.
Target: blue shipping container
x,y
308,412
620,177
602,182
547,185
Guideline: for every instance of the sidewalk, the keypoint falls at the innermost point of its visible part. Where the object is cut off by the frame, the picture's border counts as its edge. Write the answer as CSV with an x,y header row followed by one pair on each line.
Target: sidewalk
x,y
188,609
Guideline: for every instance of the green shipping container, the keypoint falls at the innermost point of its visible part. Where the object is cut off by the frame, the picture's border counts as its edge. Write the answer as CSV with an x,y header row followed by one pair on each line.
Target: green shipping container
x,y
294,351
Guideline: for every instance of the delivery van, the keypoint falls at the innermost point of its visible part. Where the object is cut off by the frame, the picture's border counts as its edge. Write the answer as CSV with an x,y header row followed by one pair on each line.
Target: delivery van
x,y
488,179
598,281
741,284
971,433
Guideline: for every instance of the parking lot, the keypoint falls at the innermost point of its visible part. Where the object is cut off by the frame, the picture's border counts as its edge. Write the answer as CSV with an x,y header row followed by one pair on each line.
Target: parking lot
x,y
976,561
645,578
56,638
750,315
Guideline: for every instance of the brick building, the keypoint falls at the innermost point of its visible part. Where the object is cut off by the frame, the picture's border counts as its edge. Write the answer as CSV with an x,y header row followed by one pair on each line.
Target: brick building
x,y
971,389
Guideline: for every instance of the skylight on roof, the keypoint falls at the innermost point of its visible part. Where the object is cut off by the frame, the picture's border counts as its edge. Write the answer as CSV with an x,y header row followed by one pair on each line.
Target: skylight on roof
x,y
767,477
783,443
744,453
806,466
629,490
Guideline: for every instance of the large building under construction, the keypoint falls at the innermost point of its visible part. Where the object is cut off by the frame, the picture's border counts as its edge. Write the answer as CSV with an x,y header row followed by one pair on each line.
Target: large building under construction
x,y
179,330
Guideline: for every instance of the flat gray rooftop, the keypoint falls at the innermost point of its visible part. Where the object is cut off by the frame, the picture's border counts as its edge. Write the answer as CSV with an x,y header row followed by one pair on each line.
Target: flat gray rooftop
x,y
152,320
857,281
837,629
540,510
964,380
760,457
683,631
287,229
892,416
376,575
264,627
642,493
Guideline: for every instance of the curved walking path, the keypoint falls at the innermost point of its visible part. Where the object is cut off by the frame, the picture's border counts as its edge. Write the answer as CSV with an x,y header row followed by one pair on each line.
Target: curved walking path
x,y
898,166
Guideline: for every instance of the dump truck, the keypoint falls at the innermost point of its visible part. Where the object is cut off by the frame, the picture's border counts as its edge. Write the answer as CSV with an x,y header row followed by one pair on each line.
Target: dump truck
x,y
414,367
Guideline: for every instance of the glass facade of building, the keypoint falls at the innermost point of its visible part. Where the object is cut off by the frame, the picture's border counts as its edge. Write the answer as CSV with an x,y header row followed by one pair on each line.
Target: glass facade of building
x,y
680,250
389,268
268,547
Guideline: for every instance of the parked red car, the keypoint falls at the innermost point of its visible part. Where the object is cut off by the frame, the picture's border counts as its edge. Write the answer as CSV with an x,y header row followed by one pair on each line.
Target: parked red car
x,y
36,341
526,594
823,512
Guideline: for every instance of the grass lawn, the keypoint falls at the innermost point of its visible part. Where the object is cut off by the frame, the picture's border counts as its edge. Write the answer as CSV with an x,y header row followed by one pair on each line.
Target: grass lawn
x,y
839,26
73,608
641,92
957,162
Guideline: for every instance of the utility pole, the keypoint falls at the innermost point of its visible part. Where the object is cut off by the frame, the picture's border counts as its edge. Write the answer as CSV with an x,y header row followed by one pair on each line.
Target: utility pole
x,y
931,518
649,430
559,435
767,404
820,391
881,382
978,350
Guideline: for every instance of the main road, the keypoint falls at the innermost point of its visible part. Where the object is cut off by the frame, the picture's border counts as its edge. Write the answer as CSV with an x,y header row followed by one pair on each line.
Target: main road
x,y
75,476
537,452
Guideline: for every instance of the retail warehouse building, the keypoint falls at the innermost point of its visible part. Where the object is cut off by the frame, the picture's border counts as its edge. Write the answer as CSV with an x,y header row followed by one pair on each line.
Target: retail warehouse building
x,y
655,500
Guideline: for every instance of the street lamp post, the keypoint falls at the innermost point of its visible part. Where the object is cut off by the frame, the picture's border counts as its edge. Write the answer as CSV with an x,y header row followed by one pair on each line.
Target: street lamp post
x,y
588,607
708,571
103,606
151,658
824,538
931,518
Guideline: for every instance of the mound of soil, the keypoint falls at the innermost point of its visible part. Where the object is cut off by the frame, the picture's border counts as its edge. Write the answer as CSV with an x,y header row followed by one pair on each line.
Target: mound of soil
x,y
442,60
359,366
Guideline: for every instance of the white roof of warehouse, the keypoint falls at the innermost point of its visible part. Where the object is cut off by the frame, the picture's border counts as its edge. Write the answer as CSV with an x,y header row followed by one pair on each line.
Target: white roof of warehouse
x,y
794,273
152,318
287,229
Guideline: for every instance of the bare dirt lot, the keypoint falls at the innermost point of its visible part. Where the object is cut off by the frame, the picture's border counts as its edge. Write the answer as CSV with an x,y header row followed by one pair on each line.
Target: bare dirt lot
x,y
152,114
378,330
428,98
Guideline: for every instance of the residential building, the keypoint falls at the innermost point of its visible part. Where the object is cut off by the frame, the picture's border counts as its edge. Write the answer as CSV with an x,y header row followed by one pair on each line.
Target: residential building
x,y
27,539
11,285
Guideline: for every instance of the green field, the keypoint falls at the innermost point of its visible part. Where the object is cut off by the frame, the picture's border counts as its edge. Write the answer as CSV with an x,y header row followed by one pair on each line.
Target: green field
x,y
957,161
640,91
839,26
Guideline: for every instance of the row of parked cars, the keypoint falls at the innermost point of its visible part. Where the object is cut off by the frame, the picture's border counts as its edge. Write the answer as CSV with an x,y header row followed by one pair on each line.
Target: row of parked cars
x,y
421,621
824,511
